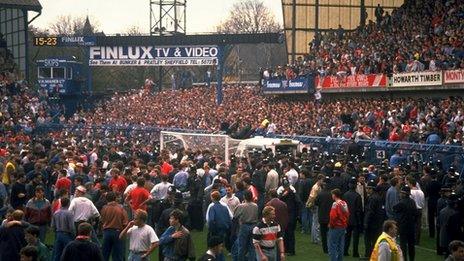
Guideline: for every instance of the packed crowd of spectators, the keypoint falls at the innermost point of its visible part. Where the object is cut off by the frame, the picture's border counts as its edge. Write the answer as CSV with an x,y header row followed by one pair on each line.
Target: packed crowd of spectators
x,y
244,109
21,108
418,36
96,192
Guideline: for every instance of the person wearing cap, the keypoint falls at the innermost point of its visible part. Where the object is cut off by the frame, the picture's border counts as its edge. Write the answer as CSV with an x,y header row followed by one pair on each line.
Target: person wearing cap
x,y
287,194
450,223
355,221
442,202
39,212
386,248
406,216
215,246
82,208
432,190
374,216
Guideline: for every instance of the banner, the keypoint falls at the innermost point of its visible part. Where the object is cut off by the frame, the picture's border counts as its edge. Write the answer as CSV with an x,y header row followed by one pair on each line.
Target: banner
x,y
300,85
70,41
453,76
153,56
417,79
53,85
352,81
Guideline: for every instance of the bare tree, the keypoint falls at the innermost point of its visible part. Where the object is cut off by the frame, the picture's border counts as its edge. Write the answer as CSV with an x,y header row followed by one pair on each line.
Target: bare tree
x,y
68,25
249,16
133,30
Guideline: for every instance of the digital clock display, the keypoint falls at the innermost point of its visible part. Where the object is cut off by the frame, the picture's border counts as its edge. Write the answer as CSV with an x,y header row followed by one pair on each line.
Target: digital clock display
x,y
45,41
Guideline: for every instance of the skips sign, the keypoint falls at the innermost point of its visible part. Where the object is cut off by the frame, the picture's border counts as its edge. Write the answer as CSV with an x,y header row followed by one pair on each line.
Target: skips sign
x,y
153,56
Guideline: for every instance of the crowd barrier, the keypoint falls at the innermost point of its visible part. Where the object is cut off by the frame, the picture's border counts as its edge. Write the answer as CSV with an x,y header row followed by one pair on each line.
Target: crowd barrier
x,y
398,80
372,151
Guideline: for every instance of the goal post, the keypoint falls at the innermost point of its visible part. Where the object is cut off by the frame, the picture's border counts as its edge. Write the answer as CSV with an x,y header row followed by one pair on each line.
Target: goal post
x,y
217,144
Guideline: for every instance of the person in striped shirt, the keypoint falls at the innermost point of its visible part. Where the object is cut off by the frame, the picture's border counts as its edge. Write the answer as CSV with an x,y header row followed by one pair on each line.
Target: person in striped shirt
x,y
267,236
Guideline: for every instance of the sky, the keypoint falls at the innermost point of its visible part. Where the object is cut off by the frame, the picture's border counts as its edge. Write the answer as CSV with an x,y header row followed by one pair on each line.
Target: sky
x,y
116,16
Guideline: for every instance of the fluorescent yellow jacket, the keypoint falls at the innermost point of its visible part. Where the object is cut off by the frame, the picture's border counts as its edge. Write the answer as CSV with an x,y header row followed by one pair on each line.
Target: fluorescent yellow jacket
x,y
9,167
395,251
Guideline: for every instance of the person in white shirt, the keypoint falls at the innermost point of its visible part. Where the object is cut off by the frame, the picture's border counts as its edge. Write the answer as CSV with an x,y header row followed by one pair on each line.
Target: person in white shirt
x,y
142,238
230,199
160,190
418,196
272,178
81,207
291,174
131,186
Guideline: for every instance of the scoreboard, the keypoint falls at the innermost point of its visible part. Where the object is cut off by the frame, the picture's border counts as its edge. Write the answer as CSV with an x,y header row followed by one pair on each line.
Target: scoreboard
x,y
65,41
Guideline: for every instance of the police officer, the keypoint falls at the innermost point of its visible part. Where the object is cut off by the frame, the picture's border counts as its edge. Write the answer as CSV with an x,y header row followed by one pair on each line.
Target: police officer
x,y
450,223
324,204
406,215
374,217
354,202
445,192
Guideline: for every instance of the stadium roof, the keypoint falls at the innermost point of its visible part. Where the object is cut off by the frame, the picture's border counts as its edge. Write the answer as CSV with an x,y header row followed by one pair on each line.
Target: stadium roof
x,y
30,5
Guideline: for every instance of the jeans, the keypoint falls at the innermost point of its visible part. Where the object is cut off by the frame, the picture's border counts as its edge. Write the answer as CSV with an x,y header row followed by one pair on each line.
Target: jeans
x,y
244,243
306,218
112,245
271,254
315,227
135,256
61,240
336,243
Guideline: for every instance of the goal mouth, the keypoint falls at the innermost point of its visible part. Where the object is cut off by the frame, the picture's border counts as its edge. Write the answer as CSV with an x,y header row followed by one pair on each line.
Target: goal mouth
x,y
217,144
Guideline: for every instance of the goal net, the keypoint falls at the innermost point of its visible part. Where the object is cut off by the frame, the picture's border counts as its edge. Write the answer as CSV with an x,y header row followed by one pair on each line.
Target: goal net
x,y
217,144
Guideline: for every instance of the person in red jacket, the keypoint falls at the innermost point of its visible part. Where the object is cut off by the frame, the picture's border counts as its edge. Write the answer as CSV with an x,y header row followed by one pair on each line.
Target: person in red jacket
x,y
338,222
117,183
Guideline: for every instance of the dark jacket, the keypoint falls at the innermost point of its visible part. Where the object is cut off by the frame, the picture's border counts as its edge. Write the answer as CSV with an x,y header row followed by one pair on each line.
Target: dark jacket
x,y
303,187
38,212
207,257
449,221
354,202
281,212
406,214
17,189
79,250
11,242
375,212
324,202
